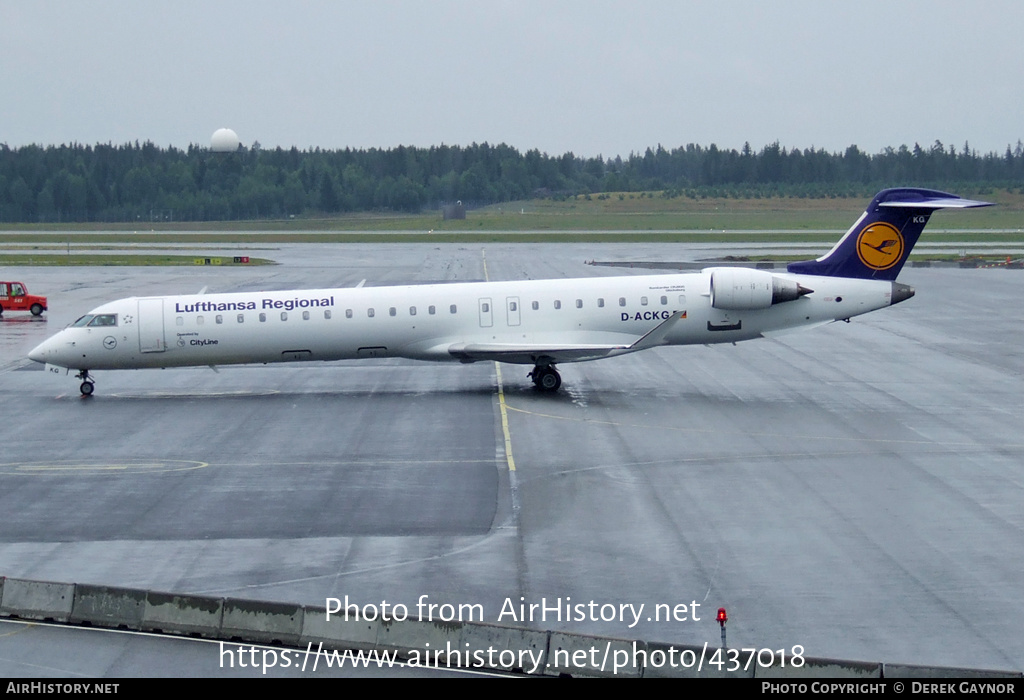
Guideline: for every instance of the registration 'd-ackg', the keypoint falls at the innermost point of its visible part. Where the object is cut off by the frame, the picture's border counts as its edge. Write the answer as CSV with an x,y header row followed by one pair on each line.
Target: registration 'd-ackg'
x,y
540,323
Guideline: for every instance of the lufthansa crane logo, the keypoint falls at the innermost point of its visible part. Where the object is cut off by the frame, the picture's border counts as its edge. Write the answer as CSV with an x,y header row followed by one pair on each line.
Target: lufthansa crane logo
x,y
880,246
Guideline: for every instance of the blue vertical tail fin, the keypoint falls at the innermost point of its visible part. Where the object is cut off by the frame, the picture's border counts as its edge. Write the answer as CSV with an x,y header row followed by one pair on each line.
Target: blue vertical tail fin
x,y
879,243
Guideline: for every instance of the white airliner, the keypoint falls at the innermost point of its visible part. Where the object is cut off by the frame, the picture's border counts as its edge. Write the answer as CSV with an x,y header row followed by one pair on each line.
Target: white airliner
x,y
538,322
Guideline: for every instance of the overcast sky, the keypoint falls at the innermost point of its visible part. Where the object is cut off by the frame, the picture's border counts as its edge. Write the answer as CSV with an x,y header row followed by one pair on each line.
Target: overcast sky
x,y
589,77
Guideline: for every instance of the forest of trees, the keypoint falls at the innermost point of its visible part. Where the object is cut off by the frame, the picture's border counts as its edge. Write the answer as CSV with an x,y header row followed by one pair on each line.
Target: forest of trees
x,y
142,182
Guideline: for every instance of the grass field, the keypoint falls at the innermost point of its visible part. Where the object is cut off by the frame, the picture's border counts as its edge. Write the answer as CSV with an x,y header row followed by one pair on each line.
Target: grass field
x,y
615,217
121,259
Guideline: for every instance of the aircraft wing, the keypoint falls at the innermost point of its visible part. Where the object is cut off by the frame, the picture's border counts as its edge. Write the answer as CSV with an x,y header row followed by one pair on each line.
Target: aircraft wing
x,y
555,352
530,353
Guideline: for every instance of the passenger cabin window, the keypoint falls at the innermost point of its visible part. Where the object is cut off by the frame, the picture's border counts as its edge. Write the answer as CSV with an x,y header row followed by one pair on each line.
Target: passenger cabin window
x,y
431,310
305,315
392,311
284,315
369,312
219,319
412,310
579,303
452,308
622,301
179,321
263,318
643,301
348,313
485,307
512,306
327,313
535,305
241,318
199,320
600,303
664,301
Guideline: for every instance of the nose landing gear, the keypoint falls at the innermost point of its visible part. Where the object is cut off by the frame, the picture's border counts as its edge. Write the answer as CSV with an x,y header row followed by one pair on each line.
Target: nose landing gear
x,y
88,383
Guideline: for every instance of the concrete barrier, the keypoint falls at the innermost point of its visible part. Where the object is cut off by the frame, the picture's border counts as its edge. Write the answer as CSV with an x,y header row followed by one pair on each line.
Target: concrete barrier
x,y
261,622
338,632
584,656
692,661
455,644
818,668
37,600
910,671
515,649
419,640
429,643
183,614
108,606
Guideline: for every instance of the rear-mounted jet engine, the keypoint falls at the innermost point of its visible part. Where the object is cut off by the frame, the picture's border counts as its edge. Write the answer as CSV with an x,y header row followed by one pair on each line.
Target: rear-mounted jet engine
x,y
743,289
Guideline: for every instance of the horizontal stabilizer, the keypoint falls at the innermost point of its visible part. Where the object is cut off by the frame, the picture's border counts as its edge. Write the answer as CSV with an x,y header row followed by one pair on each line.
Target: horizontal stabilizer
x,y
951,203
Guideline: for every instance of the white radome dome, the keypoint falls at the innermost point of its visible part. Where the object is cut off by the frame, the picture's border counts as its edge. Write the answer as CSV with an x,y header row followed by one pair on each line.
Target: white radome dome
x,y
224,141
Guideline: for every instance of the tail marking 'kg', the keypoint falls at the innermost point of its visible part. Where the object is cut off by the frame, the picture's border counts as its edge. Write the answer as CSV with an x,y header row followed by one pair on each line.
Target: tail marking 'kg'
x,y
880,242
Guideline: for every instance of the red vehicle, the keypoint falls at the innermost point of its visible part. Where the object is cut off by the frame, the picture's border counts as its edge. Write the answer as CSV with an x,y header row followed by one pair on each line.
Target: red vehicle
x,y
15,297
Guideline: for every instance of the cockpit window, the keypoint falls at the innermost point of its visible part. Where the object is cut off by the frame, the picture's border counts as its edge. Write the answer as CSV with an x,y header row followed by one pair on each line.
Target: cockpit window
x,y
84,321
103,320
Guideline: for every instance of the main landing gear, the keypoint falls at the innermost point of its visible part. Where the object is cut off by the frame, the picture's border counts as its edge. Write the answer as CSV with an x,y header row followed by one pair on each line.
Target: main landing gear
x,y
546,378
87,382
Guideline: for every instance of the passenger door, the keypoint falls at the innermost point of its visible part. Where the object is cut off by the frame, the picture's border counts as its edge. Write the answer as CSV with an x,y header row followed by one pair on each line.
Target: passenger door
x,y
151,325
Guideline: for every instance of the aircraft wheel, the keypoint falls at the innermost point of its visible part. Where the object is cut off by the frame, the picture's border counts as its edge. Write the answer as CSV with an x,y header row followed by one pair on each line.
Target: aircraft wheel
x,y
87,388
549,379
36,309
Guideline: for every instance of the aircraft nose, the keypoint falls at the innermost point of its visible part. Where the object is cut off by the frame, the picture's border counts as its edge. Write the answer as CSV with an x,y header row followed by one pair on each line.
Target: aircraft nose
x,y
39,353
47,351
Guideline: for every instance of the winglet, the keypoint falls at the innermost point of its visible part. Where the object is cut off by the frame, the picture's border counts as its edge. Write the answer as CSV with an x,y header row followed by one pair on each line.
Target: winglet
x,y
657,335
